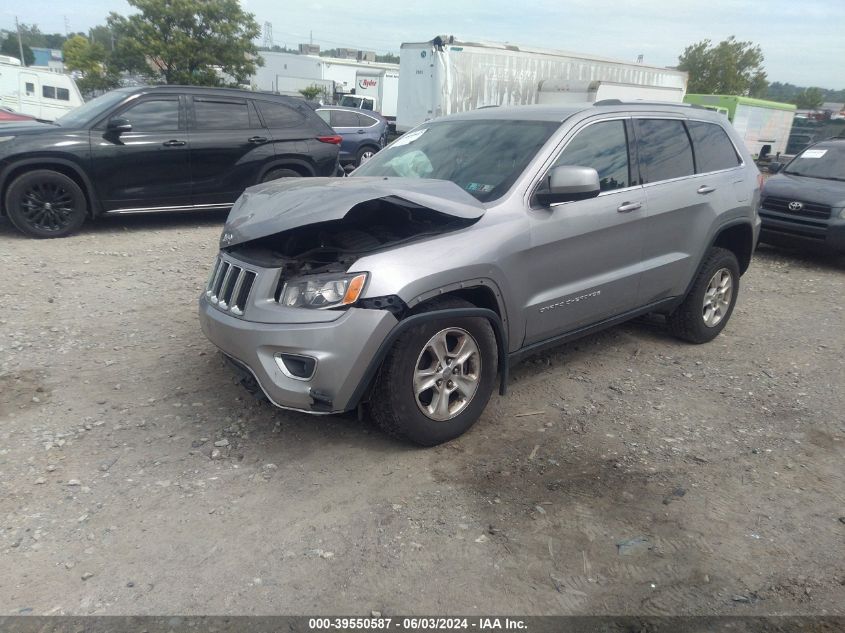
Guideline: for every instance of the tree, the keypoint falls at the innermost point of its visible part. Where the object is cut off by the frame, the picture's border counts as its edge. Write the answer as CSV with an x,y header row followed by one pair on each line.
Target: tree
x,y
191,41
809,99
10,47
90,59
729,67
311,92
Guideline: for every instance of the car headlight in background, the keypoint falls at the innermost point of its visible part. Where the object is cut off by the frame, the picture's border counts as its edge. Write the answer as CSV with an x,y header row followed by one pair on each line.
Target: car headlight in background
x,y
322,291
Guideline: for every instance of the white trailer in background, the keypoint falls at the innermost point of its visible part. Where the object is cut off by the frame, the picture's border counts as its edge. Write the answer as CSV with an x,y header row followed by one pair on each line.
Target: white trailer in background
x,y
375,90
554,91
444,76
38,92
288,73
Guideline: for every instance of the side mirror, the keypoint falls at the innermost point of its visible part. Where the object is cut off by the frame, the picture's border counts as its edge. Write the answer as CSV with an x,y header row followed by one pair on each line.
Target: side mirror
x,y
775,167
567,183
118,125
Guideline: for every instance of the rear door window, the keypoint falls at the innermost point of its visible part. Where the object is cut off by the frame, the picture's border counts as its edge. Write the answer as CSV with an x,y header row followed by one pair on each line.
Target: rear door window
x,y
211,114
604,147
366,121
342,118
663,149
713,149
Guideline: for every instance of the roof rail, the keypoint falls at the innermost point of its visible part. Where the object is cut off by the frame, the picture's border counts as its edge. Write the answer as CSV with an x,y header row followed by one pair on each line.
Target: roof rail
x,y
616,102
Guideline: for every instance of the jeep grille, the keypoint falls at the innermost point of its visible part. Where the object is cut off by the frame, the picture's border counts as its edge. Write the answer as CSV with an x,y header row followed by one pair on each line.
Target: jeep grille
x,y
228,286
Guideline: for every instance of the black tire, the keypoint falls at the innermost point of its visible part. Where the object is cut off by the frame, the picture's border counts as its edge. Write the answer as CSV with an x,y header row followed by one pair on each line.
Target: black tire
x,y
688,322
364,154
45,203
275,174
393,402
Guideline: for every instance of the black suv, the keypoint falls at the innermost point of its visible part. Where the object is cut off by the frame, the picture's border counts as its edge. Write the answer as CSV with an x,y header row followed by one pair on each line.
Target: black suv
x,y
805,203
164,148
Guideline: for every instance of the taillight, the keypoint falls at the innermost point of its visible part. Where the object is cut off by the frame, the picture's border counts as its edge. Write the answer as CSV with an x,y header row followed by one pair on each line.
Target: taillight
x,y
335,139
760,180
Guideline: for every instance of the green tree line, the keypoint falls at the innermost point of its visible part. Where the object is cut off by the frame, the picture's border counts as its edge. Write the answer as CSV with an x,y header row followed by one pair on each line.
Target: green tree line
x,y
735,67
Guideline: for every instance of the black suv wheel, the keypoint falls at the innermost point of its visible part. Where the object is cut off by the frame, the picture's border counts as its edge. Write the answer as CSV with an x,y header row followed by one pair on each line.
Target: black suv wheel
x,y
45,203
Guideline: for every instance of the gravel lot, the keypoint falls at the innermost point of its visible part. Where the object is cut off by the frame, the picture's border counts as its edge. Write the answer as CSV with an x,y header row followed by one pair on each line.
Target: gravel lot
x,y
623,473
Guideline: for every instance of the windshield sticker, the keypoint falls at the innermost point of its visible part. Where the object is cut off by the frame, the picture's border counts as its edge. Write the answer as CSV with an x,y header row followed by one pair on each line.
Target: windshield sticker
x,y
814,153
477,186
410,137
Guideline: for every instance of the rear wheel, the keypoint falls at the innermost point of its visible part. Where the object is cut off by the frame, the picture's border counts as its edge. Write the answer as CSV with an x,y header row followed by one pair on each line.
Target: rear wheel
x,y
275,174
437,379
710,303
364,154
45,203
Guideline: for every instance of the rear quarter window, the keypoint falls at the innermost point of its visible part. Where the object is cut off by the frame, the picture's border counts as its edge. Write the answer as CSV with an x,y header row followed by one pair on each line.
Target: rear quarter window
x,y
713,148
278,115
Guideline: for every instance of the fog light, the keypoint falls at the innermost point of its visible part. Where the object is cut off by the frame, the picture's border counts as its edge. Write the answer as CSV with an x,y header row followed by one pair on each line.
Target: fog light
x,y
296,366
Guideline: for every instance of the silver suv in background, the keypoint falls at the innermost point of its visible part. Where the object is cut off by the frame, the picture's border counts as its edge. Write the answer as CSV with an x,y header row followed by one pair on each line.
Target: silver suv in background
x,y
475,240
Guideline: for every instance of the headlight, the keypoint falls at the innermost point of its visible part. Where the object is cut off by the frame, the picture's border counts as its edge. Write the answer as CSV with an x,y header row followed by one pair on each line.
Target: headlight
x,y
322,291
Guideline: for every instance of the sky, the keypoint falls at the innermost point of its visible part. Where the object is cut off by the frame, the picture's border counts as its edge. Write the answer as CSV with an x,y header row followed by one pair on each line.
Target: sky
x,y
802,40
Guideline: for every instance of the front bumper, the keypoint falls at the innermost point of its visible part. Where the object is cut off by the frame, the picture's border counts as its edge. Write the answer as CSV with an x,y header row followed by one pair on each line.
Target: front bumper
x,y
344,349
790,229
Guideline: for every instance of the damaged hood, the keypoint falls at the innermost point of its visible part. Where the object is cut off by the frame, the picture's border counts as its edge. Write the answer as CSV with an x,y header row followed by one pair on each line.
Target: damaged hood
x,y
287,203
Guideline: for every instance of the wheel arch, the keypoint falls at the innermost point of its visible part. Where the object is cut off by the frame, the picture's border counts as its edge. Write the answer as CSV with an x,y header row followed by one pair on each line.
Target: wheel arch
x,y
299,165
62,166
737,237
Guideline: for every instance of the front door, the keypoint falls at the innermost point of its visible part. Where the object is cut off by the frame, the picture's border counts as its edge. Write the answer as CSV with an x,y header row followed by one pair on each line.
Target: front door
x,y
147,167
229,147
584,264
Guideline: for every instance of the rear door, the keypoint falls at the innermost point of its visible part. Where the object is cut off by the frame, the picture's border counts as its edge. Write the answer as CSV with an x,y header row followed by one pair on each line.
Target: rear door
x,y
148,167
229,148
295,129
686,192
584,263
347,125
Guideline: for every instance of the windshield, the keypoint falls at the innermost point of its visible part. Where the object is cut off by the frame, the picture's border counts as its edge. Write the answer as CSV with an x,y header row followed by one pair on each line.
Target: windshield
x,y
483,157
91,110
351,102
819,162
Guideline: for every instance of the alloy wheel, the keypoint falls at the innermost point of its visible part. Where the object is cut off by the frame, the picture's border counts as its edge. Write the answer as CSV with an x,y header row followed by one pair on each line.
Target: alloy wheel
x,y
447,374
47,206
717,297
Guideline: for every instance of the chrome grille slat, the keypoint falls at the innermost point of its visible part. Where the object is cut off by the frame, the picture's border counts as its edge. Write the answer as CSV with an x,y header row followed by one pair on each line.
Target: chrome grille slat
x,y
229,286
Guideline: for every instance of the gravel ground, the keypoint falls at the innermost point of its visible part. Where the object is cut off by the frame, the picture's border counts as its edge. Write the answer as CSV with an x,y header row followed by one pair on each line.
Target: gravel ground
x,y
623,473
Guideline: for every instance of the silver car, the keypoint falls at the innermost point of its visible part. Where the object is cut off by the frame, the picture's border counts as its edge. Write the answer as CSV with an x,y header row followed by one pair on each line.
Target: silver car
x,y
472,241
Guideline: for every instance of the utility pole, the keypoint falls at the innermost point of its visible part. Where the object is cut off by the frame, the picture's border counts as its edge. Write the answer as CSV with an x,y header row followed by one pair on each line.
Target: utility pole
x,y
20,41
310,38
67,27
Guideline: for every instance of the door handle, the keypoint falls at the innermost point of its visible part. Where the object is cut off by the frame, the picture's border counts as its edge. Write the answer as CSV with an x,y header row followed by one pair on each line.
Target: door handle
x,y
256,140
627,207
360,131
705,189
174,143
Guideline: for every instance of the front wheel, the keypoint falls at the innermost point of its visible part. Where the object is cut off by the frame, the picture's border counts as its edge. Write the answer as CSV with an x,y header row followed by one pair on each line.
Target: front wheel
x,y
437,379
45,203
711,300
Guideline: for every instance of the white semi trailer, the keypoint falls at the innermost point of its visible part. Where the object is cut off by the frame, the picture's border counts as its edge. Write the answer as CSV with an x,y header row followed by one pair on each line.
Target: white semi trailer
x,y
444,76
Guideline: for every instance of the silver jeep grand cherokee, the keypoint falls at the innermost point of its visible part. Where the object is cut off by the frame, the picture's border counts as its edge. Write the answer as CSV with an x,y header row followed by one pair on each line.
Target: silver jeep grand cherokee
x,y
475,240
